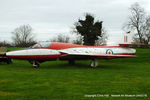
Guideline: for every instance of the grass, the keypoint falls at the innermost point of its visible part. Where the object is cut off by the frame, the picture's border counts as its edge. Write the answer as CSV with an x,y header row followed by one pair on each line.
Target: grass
x,y
56,80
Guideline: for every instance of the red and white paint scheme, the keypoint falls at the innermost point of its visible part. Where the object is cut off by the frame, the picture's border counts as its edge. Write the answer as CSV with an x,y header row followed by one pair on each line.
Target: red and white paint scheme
x,y
48,51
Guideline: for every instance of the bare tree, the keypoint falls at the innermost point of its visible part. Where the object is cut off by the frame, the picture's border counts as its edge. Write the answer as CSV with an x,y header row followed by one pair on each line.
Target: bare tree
x,y
135,21
23,36
103,39
61,38
5,44
139,23
78,40
146,31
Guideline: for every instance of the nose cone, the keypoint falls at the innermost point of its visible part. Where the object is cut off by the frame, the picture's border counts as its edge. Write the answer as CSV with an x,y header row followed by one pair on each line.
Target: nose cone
x,y
133,50
15,54
34,54
11,53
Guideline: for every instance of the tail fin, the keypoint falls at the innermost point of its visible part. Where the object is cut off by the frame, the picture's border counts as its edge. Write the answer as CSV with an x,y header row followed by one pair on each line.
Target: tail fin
x,y
127,41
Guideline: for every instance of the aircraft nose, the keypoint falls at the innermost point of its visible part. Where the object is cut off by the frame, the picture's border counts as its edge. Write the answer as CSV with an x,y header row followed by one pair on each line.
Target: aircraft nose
x,y
32,54
10,53
13,54
133,50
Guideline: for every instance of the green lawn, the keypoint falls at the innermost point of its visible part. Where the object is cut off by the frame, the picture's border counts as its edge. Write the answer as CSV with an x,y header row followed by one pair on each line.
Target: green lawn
x,y
57,80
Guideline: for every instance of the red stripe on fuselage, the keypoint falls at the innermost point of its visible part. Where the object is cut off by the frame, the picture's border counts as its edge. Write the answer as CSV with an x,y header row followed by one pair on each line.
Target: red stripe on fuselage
x,y
124,53
34,57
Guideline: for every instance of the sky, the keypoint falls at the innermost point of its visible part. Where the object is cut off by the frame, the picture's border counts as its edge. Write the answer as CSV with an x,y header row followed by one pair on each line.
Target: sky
x,y
48,18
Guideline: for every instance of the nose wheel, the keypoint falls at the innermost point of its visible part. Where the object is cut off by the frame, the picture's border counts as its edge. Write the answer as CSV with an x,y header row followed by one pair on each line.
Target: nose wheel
x,y
36,64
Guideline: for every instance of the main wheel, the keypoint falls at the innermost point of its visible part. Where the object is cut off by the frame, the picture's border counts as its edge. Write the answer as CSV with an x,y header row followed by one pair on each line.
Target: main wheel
x,y
71,62
94,63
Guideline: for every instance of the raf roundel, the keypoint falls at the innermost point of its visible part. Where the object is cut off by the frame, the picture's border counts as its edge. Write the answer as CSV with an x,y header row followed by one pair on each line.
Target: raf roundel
x,y
109,51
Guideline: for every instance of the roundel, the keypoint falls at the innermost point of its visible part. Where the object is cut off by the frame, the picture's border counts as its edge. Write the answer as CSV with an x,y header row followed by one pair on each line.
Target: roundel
x,y
109,51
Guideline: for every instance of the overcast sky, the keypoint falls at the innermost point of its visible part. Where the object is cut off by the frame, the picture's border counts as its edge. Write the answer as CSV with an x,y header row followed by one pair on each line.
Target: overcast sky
x,y
50,17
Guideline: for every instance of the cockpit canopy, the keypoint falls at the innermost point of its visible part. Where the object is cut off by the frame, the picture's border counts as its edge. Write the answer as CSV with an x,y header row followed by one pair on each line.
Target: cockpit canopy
x,y
42,45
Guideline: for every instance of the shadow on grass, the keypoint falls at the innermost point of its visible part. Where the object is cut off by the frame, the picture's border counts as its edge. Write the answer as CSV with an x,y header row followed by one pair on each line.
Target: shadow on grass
x,y
63,66
113,66
82,65
2,63
103,64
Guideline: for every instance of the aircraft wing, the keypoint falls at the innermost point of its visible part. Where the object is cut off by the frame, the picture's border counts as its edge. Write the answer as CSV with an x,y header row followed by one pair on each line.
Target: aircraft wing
x,y
113,55
100,56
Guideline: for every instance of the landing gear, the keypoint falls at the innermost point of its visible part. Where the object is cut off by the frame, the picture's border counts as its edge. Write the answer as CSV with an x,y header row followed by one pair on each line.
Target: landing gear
x,y
94,63
71,62
9,61
35,64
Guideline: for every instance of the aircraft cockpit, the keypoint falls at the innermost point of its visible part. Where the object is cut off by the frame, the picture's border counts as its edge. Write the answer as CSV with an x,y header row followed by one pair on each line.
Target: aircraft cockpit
x,y
41,45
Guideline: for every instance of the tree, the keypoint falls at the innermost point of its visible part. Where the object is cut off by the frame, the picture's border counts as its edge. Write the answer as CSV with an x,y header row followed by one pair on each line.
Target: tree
x,y
146,31
136,20
103,39
78,40
89,29
61,38
23,36
139,23
5,44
